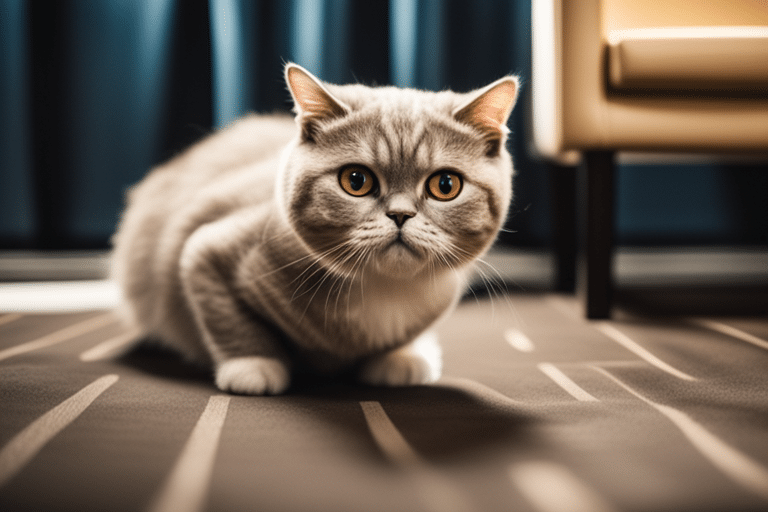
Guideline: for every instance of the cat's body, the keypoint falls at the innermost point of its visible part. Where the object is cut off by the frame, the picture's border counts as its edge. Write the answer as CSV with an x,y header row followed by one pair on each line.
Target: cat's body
x,y
323,245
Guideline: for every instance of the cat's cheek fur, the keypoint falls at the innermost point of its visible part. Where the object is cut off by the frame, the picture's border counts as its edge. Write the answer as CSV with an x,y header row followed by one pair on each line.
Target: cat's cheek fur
x,y
252,376
320,227
419,362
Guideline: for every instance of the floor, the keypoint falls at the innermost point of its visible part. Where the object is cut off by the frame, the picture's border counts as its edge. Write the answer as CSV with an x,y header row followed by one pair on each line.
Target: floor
x,y
538,410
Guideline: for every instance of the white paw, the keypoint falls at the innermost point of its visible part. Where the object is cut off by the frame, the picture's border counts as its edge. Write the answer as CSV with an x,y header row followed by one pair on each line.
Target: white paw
x,y
252,376
414,364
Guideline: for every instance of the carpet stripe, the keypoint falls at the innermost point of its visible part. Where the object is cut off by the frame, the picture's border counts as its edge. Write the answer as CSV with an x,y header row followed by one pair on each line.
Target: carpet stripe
x,y
740,468
734,333
550,487
485,393
186,488
566,383
386,435
110,347
626,342
436,493
27,443
65,334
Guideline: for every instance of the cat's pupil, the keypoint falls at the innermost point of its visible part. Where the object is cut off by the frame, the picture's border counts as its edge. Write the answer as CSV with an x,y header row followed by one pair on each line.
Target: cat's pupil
x,y
446,184
356,180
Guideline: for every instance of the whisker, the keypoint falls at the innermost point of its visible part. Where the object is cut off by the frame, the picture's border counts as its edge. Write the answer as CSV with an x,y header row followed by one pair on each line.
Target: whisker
x,y
318,263
339,279
317,257
358,267
494,283
332,270
497,283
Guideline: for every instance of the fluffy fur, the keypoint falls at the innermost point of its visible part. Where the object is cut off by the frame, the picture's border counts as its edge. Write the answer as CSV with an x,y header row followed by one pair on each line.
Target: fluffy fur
x,y
246,253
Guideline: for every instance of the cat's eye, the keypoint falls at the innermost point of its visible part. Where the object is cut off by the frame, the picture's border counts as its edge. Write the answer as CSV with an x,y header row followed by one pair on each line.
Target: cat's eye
x,y
444,185
357,180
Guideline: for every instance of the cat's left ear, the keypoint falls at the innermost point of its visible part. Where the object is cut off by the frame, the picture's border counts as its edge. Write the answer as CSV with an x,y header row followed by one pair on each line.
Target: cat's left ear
x,y
313,102
488,110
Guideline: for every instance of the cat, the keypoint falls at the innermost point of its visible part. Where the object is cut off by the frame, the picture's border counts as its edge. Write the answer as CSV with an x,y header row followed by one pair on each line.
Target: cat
x,y
327,242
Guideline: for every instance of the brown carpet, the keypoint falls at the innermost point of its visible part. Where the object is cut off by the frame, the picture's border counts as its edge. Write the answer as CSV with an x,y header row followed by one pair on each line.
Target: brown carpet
x,y
538,410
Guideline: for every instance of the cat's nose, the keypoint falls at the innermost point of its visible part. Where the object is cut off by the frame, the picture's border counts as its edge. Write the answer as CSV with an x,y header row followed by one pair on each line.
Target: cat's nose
x,y
400,208
400,217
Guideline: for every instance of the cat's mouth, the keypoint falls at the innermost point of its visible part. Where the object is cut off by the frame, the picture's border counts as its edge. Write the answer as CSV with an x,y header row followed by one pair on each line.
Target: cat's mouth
x,y
400,244
399,257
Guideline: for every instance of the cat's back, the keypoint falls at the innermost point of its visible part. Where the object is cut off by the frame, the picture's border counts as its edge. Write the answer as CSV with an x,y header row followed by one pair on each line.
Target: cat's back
x,y
234,166
246,150
245,143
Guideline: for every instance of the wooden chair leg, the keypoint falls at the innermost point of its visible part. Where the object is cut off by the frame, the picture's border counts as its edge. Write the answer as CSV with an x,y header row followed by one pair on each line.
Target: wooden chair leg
x,y
597,172
562,180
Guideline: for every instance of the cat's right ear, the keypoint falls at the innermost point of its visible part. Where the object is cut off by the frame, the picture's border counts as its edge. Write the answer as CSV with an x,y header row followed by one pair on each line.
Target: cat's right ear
x,y
488,110
313,103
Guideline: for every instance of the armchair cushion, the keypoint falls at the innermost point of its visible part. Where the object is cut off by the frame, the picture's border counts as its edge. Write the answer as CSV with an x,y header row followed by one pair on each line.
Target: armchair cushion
x,y
689,58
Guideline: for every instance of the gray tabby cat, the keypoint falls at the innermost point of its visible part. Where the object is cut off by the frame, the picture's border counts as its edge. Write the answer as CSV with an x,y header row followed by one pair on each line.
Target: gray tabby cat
x,y
325,244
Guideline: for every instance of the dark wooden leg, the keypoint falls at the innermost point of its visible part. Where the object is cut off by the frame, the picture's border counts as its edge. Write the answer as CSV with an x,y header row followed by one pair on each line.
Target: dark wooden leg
x,y
562,188
598,189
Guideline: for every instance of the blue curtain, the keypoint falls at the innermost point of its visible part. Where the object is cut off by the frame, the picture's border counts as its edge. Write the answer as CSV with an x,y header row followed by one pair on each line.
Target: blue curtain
x,y
93,94
17,215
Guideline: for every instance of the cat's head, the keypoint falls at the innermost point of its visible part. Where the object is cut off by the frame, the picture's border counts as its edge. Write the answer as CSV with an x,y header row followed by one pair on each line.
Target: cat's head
x,y
397,181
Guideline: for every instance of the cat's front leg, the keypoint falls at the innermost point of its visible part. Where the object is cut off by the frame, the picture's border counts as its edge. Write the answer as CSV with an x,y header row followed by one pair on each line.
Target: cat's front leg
x,y
418,362
246,352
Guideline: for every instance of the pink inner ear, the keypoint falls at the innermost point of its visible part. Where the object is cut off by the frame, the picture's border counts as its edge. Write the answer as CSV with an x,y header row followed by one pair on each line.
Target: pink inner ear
x,y
497,103
489,111
311,98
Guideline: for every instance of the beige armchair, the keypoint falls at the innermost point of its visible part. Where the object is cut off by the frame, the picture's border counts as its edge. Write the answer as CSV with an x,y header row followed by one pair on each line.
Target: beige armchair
x,y
643,75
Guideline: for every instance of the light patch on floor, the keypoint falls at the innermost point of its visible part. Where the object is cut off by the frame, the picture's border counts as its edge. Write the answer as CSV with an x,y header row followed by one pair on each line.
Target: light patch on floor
x,y
48,297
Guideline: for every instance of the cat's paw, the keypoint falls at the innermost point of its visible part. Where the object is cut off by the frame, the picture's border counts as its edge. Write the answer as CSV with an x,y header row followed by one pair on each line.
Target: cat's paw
x,y
252,376
418,363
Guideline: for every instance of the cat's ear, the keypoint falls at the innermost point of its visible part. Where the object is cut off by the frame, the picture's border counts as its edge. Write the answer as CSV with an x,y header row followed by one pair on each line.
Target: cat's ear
x,y
313,103
488,110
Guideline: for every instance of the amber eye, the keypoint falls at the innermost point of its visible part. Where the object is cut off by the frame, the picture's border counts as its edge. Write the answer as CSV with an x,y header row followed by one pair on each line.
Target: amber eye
x,y
444,185
356,180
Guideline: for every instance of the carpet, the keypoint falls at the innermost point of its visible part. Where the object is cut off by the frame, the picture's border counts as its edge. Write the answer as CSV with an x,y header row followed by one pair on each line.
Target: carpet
x,y
538,410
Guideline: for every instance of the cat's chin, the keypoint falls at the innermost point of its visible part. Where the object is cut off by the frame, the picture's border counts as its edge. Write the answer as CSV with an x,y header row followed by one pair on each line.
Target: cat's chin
x,y
399,260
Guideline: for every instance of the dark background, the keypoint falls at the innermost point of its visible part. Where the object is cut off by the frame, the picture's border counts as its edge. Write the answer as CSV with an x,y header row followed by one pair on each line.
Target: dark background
x,y
93,93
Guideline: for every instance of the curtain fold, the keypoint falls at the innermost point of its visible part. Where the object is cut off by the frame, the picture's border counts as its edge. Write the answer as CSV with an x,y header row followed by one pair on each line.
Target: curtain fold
x,y
17,214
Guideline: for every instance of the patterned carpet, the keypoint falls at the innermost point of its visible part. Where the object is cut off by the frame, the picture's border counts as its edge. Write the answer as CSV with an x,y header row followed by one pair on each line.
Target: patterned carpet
x,y
539,410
